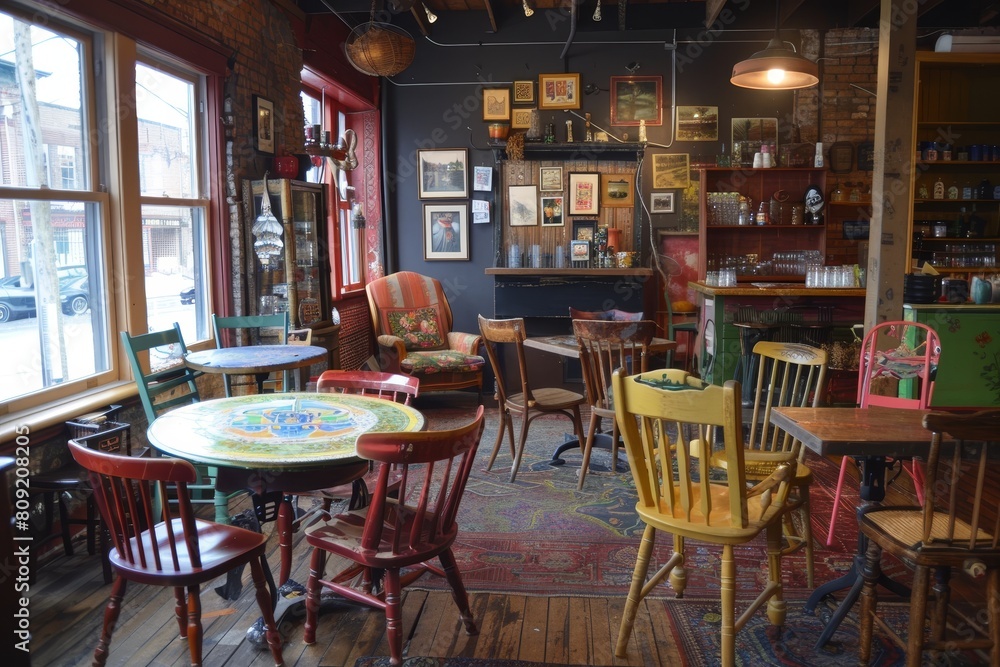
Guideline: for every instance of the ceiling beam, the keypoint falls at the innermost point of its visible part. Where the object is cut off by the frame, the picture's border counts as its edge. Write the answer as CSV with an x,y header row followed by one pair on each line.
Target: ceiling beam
x,y
421,24
712,10
489,13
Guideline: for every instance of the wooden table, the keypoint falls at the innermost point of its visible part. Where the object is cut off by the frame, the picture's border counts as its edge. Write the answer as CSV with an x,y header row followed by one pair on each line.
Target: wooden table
x,y
871,435
257,360
280,443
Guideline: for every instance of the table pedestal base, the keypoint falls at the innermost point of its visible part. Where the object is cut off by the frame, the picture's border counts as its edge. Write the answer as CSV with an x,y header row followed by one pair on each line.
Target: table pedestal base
x,y
601,441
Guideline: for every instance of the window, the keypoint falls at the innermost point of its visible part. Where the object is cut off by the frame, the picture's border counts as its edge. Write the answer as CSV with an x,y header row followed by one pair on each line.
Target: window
x,y
62,195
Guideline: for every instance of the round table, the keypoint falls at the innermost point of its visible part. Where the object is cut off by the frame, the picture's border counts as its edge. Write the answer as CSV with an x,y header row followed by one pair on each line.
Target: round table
x,y
257,360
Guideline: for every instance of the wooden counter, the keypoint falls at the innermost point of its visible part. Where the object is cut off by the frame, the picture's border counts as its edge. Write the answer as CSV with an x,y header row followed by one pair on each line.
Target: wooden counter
x,y
775,289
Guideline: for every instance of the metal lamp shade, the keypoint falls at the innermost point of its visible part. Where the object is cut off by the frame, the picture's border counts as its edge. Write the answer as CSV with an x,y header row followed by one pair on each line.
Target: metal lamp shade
x,y
379,49
775,68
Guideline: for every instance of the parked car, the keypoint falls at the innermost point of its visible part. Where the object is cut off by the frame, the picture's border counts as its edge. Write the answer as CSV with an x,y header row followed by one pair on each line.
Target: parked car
x,y
187,296
17,301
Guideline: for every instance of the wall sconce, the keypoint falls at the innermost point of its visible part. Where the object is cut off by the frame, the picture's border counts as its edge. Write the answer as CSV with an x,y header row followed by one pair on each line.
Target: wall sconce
x,y
776,67
528,11
431,16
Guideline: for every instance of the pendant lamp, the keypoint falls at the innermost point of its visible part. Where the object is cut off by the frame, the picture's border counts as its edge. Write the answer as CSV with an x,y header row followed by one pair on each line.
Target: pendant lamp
x,y
379,49
776,67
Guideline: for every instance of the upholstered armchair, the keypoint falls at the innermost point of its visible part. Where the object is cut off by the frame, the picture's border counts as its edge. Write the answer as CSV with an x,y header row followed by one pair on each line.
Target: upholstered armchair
x,y
412,320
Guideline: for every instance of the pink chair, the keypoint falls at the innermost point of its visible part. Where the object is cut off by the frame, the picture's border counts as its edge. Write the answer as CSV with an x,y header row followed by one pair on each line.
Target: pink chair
x,y
894,352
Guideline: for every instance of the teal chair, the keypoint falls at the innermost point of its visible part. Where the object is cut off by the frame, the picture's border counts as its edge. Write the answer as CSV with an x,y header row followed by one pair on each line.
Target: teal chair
x,y
170,387
689,328
234,323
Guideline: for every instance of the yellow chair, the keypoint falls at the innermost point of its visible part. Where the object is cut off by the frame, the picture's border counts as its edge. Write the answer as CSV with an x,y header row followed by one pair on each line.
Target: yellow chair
x,y
660,414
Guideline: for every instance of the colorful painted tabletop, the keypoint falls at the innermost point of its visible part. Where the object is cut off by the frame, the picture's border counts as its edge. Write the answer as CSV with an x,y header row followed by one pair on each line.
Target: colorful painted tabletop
x,y
277,431
254,358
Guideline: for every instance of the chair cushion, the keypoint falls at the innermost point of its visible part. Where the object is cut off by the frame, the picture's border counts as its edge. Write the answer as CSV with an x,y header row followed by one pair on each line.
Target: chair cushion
x,y
420,328
441,361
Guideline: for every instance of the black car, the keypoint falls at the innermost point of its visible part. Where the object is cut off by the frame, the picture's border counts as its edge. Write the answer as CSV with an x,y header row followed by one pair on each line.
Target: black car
x,y
17,301
187,296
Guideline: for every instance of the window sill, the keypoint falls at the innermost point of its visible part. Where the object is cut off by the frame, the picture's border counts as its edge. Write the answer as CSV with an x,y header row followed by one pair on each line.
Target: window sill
x,y
52,414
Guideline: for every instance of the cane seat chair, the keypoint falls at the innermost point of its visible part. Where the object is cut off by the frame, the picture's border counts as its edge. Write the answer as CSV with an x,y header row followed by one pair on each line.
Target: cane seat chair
x,y
231,326
156,546
530,403
956,532
613,315
405,531
605,346
660,414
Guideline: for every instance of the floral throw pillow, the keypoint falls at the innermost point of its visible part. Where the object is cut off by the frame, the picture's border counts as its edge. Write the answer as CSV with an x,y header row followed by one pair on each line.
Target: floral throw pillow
x,y
418,327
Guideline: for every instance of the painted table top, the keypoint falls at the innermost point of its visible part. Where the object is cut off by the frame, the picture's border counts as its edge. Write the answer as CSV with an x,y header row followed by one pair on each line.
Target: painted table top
x,y
277,431
254,358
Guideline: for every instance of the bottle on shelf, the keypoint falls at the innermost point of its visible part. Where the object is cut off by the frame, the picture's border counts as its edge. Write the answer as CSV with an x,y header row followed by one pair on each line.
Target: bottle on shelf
x,y
952,192
938,188
961,225
818,160
968,192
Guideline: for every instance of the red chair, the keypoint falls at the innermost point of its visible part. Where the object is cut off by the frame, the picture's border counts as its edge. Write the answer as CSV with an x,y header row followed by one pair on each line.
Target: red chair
x,y
180,551
393,533
392,386
894,352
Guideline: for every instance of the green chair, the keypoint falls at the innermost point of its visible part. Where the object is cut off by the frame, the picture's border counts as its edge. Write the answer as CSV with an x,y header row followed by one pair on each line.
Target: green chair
x,y
169,386
219,324
689,327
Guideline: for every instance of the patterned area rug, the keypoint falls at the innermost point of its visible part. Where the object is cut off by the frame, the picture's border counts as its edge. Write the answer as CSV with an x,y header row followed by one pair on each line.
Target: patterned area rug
x,y
370,661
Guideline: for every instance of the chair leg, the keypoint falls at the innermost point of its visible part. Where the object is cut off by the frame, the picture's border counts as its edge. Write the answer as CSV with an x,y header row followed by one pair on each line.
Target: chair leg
x,y
502,422
194,634
635,590
266,607
844,462
313,587
728,592
64,524
393,616
110,618
777,609
180,610
993,614
525,423
942,598
869,601
805,513
458,592
588,448
678,575
918,615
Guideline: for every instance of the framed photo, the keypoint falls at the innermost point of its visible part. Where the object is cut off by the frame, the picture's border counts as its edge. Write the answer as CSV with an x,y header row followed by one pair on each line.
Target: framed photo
x,y
482,179
618,190
584,230
579,253
671,170
552,211
442,173
697,124
496,104
550,179
524,92
263,125
446,231
661,202
583,189
559,91
523,205
636,98
749,134
520,119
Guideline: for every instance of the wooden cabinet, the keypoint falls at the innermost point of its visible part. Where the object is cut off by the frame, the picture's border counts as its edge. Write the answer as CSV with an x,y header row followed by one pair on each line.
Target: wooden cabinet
x,y
758,252
955,210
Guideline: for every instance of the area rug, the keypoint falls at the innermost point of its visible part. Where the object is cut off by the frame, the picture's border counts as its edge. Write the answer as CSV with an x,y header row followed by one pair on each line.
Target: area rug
x,y
373,661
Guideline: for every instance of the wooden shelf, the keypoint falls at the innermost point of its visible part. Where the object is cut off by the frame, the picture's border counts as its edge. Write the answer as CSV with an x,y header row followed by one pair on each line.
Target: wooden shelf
x,y
759,227
504,271
576,150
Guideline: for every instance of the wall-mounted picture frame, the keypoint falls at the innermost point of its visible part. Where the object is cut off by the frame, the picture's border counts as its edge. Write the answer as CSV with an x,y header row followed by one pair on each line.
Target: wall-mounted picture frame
x,y
579,254
583,193
697,123
520,119
558,91
446,231
618,190
524,92
482,179
550,179
661,202
671,171
442,173
263,125
552,211
584,230
522,203
496,103
635,99
866,156
748,134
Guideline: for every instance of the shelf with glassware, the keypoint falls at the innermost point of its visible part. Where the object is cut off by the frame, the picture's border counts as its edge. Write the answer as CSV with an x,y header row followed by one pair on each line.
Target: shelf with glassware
x,y
759,223
956,236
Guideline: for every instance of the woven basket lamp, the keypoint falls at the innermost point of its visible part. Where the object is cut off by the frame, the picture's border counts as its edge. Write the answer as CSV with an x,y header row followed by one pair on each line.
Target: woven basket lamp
x,y
379,49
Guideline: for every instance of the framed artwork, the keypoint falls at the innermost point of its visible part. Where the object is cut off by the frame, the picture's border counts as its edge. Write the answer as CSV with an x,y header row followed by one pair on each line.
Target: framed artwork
x,y
496,104
552,211
584,230
480,211
522,203
697,124
520,119
579,253
671,170
263,125
524,92
618,190
661,202
558,91
442,173
749,134
446,231
583,189
636,98
550,179
482,179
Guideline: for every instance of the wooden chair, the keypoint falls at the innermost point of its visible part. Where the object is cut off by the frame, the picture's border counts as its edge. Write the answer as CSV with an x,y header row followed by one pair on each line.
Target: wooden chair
x,y
688,327
788,375
529,403
167,387
165,548
659,422
407,531
413,328
613,315
893,353
231,326
605,346
957,528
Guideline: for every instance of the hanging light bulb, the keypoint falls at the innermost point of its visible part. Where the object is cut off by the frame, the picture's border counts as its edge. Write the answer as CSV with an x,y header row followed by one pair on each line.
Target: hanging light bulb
x,y
776,67
431,16
528,11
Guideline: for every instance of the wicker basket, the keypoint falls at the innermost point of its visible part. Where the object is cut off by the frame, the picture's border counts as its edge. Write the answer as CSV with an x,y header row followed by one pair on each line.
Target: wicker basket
x,y
379,49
